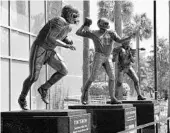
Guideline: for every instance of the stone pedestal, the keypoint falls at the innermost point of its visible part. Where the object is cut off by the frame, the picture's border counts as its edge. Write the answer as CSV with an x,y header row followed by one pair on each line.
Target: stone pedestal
x,y
110,118
46,121
146,111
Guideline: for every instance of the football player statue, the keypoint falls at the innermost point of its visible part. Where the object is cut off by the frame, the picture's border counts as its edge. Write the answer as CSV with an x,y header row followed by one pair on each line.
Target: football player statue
x,y
125,57
103,39
53,34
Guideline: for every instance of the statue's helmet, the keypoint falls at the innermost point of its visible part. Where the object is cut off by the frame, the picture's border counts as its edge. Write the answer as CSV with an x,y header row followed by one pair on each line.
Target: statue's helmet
x,y
103,23
126,44
70,14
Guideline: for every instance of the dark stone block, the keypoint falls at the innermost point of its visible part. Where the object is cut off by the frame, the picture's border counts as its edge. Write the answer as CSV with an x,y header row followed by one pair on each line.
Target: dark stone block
x,y
33,113
102,106
46,121
146,111
110,118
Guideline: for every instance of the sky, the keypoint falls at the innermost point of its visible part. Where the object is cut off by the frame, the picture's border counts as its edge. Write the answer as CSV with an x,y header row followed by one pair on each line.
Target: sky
x,y
162,18
144,6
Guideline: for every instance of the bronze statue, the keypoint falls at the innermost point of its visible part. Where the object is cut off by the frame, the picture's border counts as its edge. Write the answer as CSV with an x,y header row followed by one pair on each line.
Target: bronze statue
x,y
125,56
104,43
53,34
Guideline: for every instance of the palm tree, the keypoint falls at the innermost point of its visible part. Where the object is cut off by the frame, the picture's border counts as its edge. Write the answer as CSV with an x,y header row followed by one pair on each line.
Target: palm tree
x,y
141,25
118,28
106,9
118,18
109,10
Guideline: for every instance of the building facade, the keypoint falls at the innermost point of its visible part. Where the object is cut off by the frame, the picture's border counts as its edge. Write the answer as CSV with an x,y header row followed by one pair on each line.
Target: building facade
x,y
20,22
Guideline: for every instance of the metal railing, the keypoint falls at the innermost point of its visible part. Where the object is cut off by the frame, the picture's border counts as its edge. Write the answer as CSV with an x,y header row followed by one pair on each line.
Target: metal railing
x,y
149,124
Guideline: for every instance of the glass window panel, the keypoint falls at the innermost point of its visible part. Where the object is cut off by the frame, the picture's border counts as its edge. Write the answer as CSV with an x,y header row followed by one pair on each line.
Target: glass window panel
x,y
4,12
56,92
19,45
69,86
74,66
5,85
37,16
19,15
56,96
4,41
18,74
72,89
75,3
53,9
32,40
36,101
74,84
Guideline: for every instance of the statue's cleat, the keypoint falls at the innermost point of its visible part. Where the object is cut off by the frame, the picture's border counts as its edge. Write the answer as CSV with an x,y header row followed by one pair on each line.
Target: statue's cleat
x,y
84,99
115,101
140,97
43,94
23,103
84,102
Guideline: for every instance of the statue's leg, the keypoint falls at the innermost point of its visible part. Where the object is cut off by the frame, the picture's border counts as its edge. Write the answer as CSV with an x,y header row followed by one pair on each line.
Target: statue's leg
x,y
118,88
57,64
97,63
132,74
84,96
36,61
108,65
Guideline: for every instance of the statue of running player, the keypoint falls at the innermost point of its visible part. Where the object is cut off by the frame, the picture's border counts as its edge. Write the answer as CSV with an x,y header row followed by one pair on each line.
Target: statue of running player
x,y
53,34
125,56
104,43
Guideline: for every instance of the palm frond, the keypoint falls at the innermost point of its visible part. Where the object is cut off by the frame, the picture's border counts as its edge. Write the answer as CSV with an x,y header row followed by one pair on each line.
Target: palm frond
x,y
127,9
106,9
140,25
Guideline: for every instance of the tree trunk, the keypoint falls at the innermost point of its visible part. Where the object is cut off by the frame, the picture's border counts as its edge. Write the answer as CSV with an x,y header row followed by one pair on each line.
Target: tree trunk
x,y
137,54
137,60
118,28
118,18
86,70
